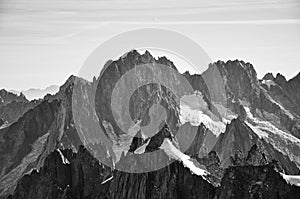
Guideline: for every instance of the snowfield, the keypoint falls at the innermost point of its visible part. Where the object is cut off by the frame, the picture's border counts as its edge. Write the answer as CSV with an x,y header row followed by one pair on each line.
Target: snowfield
x,y
291,179
282,141
175,153
142,148
194,109
196,117
269,83
63,158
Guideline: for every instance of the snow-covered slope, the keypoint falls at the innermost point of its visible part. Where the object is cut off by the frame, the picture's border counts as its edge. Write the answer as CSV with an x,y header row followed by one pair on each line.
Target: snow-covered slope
x,y
187,161
284,142
291,179
194,109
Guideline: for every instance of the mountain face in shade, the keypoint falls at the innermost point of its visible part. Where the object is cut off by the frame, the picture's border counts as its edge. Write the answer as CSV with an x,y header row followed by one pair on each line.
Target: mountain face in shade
x,y
243,144
78,175
46,127
22,142
65,175
287,92
255,182
1,122
12,111
13,106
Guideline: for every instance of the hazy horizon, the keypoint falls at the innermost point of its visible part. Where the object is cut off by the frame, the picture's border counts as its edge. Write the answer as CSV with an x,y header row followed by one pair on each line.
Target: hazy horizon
x,y
43,43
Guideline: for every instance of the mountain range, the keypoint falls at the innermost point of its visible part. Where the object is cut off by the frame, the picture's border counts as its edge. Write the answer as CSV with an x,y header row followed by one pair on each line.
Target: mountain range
x,y
234,136
36,93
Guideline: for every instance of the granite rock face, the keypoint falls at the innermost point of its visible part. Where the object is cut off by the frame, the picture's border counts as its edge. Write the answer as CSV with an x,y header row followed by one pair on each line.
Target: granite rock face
x,y
84,177
285,91
255,182
13,106
8,97
17,139
272,100
12,111
142,99
22,143
65,175
233,146
78,175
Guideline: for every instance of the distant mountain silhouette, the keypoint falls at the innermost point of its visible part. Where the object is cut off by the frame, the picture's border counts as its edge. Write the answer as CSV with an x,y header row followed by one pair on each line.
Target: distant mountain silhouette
x,y
36,93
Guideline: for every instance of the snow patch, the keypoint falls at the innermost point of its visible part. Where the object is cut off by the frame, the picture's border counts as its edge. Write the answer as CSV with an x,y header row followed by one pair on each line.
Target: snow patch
x,y
288,113
175,153
142,148
226,114
108,179
284,142
269,83
268,127
63,158
258,131
196,117
291,179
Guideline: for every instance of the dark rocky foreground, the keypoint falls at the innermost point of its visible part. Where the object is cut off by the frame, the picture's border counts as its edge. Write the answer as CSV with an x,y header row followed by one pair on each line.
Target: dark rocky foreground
x,y
79,175
84,177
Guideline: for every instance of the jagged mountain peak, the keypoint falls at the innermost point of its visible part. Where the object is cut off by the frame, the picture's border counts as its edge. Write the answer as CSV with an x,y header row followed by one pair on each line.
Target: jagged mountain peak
x,y
239,70
157,140
236,123
268,76
134,57
237,137
66,90
280,79
7,97
296,78
237,79
238,65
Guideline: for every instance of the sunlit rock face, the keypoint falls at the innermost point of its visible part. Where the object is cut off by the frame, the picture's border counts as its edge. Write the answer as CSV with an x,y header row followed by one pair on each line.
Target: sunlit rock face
x,y
239,138
286,92
261,97
143,97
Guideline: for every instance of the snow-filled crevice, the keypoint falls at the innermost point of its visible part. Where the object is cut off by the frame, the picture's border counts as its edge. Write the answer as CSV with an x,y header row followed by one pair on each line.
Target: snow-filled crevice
x,y
291,179
63,158
108,179
175,153
282,141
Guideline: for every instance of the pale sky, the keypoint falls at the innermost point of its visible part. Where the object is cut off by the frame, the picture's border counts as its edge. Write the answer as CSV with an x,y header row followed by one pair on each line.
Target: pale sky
x,y
43,42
